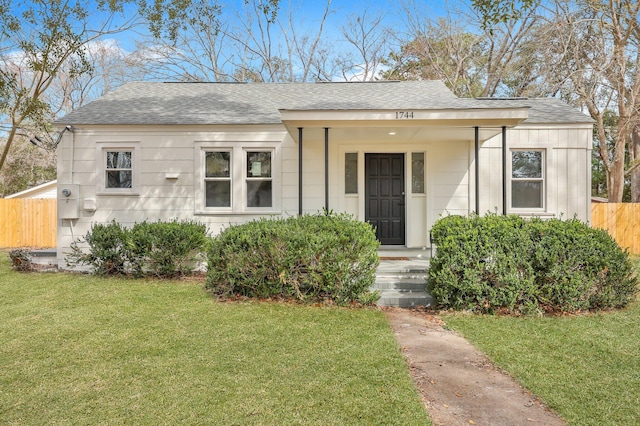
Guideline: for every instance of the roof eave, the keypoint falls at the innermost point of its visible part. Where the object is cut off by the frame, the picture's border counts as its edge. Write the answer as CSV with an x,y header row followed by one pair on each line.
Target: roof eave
x,y
507,117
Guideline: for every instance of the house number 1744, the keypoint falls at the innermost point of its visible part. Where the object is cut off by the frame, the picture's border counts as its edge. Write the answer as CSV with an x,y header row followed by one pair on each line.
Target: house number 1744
x,y
404,114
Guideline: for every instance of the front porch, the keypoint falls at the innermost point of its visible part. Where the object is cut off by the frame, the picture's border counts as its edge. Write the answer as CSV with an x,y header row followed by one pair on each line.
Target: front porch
x,y
401,276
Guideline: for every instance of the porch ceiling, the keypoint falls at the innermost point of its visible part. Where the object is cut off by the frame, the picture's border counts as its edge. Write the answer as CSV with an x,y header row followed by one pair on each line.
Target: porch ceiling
x,y
394,134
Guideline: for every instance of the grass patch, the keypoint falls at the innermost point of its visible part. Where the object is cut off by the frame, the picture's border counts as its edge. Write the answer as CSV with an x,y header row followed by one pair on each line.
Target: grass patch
x,y
587,368
76,349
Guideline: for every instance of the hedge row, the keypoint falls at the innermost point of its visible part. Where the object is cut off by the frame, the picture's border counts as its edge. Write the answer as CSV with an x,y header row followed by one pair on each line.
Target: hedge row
x,y
325,256
311,257
491,263
162,249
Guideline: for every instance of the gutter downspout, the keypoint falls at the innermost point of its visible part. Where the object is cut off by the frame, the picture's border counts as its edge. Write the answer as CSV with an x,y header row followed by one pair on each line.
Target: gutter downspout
x,y
71,170
73,149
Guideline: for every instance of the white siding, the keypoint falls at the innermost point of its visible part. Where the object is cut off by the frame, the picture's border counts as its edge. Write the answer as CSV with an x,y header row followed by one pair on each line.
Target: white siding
x,y
448,168
567,178
313,179
449,174
169,150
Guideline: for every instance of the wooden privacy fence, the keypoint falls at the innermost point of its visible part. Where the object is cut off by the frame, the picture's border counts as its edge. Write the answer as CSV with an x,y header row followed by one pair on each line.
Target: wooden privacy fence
x,y
621,220
28,222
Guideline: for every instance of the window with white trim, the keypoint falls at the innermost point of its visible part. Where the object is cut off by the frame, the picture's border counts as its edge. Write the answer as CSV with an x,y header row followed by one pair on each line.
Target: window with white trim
x,y
417,172
259,182
527,179
119,168
240,178
217,179
351,173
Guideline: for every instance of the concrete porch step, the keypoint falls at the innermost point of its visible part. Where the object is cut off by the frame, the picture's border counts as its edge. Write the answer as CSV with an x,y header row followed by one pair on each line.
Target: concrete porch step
x,y
400,283
401,280
44,257
404,299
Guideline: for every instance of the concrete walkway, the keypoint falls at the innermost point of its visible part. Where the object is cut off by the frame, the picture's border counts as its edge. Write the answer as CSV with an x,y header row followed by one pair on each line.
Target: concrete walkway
x,y
458,384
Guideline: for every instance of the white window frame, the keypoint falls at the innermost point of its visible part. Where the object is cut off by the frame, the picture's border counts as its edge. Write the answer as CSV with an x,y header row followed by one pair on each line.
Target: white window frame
x,y
542,179
102,148
247,178
424,175
344,173
238,174
206,179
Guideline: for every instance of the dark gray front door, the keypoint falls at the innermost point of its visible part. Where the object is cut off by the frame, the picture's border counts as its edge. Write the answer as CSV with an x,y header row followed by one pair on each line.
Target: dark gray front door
x,y
384,196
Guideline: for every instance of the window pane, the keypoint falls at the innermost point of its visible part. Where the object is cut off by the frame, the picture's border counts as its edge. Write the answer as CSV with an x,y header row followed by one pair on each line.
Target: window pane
x,y
526,194
119,179
218,164
118,159
259,193
526,164
218,193
417,171
351,173
259,164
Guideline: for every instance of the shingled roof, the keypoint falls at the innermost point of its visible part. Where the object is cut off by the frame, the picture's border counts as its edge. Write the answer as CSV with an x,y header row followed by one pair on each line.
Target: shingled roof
x,y
152,103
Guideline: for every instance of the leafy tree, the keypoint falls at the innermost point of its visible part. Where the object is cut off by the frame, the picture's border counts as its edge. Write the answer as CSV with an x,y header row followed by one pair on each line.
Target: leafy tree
x,y
594,63
195,54
26,166
443,50
588,54
474,60
249,43
40,40
610,122
494,12
370,41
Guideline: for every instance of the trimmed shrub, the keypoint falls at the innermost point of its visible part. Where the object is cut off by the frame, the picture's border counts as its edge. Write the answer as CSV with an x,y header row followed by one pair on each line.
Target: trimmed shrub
x,y
109,250
21,260
490,263
481,264
163,249
309,258
170,249
579,268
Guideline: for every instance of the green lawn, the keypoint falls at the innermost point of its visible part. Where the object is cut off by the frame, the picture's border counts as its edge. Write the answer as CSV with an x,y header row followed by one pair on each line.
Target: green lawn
x,y
587,368
75,349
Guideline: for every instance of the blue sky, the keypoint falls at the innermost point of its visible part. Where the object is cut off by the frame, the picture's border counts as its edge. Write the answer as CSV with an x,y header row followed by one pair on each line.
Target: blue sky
x,y
307,16
308,13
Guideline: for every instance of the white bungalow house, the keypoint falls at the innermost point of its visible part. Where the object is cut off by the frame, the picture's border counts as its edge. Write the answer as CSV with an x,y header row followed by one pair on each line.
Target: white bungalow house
x,y
396,154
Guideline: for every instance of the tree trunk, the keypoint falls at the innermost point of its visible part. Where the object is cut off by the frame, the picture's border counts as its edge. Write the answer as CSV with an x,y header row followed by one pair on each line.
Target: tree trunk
x,y
7,146
616,178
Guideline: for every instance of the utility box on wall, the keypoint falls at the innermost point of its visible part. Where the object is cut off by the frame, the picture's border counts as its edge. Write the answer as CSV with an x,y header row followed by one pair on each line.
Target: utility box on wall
x,y
68,201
